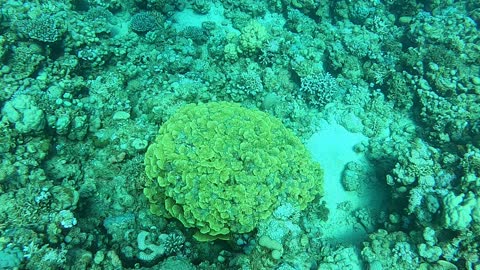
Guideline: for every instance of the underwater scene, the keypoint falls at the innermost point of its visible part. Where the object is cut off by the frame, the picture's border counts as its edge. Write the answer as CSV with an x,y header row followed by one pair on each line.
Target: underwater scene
x,y
240,134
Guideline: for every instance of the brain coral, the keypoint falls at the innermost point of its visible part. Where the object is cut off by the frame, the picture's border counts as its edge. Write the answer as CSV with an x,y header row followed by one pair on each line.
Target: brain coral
x,y
222,168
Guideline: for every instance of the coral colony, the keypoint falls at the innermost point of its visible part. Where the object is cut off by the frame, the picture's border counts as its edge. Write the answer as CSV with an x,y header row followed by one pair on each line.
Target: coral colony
x,y
249,135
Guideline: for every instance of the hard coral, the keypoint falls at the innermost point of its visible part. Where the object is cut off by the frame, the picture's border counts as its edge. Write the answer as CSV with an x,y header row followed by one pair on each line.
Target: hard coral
x,y
43,28
253,37
319,89
145,21
222,168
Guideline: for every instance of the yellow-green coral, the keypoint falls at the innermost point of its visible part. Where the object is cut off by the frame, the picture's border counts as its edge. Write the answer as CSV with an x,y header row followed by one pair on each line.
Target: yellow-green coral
x,y
222,168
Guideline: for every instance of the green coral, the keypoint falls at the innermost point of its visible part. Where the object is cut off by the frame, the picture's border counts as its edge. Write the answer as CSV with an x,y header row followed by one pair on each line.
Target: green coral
x,y
222,168
253,37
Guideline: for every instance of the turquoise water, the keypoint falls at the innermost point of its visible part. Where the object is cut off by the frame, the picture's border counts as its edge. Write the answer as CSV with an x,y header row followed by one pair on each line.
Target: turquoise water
x,y
385,95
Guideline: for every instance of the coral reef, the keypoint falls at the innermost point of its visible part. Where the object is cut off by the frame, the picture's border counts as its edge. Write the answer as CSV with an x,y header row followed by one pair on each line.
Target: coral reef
x,y
87,84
